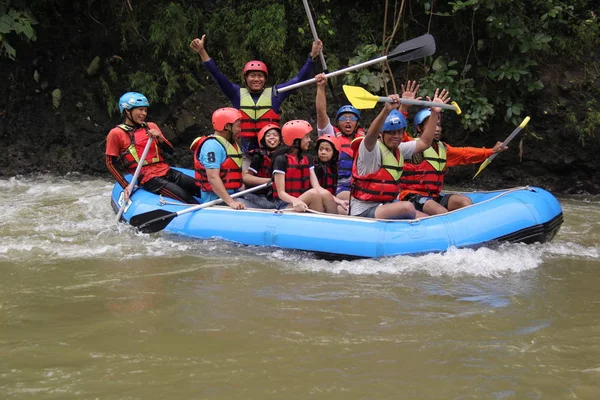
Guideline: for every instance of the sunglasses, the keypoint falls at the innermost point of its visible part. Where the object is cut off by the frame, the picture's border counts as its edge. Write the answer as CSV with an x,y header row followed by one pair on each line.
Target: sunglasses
x,y
350,118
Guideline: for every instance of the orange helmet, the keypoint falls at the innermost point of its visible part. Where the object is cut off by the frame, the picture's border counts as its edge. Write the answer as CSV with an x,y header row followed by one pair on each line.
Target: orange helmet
x,y
295,129
224,116
334,141
261,134
255,65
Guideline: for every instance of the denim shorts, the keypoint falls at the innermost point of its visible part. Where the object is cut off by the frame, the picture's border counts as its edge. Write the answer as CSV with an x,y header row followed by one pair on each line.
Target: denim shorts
x,y
252,200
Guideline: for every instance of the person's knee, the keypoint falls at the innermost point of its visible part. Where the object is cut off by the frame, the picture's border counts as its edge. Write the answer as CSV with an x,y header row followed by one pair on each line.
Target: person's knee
x,y
459,201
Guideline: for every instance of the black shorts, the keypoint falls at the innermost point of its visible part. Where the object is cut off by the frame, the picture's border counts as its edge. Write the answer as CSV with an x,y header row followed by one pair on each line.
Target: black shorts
x,y
419,200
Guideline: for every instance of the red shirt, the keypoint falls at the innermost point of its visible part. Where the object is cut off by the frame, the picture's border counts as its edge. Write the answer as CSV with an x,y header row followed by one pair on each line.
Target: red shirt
x,y
118,141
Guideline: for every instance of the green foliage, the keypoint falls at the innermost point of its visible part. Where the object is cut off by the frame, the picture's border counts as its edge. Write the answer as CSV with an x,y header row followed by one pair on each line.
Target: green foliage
x,y
373,79
475,107
18,23
145,83
169,38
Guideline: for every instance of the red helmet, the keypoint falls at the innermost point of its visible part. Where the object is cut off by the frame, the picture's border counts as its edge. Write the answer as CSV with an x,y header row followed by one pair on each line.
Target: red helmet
x,y
355,144
261,134
224,116
255,65
334,141
295,129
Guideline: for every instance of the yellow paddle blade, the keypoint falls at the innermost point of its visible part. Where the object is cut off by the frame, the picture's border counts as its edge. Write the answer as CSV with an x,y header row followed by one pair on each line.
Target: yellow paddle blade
x,y
457,110
359,97
524,123
482,166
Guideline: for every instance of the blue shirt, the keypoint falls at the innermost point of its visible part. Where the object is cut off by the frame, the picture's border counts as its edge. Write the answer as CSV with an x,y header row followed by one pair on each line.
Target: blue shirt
x,y
211,156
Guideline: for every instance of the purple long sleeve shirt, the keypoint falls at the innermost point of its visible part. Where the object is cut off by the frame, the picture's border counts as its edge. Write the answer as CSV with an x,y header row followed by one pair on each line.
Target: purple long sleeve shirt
x,y
232,91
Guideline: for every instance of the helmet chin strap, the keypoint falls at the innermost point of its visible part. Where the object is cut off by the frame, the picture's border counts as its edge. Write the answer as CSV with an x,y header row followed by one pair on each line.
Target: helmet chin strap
x,y
129,117
230,138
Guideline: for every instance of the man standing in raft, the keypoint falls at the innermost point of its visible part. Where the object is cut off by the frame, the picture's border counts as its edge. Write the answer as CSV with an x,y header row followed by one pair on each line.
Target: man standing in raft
x,y
128,140
378,165
259,104
423,176
218,160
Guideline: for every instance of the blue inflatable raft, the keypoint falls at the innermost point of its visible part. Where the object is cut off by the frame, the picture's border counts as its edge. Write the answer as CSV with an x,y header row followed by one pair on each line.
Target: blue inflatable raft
x,y
523,214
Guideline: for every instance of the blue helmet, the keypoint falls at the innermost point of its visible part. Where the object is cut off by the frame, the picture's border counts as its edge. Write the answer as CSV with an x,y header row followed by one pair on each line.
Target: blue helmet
x,y
347,109
131,100
421,116
394,121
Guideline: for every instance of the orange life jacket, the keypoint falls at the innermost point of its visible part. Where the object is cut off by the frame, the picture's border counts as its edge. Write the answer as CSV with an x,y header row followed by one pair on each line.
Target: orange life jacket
x,y
424,173
380,186
297,176
257,114
230,170
138,140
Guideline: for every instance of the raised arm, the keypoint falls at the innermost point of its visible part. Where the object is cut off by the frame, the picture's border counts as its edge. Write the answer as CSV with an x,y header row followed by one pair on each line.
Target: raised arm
x,y
409,91
321,101
229,89
429,130
198,46
377,124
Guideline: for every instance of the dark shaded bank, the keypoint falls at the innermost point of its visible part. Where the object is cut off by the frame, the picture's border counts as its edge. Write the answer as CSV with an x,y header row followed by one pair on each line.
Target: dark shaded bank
x,y
41,133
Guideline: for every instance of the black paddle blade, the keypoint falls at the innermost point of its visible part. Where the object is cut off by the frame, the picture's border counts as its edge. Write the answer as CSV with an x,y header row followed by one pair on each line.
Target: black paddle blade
x,y
413,49
152,221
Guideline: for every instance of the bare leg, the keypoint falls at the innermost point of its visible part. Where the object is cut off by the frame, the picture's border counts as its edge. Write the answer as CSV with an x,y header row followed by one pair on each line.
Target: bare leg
x,y
329,204
458,201
313,200
345,195
397,210
432,207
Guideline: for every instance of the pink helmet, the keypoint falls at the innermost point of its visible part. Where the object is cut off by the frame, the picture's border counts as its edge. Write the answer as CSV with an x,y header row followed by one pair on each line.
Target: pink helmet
x,y
295,129
224,116
255,65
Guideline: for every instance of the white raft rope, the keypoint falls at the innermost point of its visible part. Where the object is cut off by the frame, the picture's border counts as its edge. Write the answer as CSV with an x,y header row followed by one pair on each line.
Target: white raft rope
x,y
504,192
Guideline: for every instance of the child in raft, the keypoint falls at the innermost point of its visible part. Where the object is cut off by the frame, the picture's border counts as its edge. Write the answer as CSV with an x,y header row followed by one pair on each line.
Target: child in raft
x,y
295,182
260,170
326,167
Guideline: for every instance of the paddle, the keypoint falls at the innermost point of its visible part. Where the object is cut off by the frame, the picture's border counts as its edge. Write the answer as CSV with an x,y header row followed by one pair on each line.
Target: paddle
x,y
311,22
413,49
134,179
506,141
362,99
157,220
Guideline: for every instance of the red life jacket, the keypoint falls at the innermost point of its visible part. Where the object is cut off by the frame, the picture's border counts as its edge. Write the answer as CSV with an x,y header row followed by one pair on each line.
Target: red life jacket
x,y
297,176
257,114
327,179
347,154
230,169
265,166
138,140
424,173
381,186
265,170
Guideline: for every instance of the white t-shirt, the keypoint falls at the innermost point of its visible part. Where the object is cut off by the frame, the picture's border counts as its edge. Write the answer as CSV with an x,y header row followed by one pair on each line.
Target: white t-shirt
x,y
328,130
369,162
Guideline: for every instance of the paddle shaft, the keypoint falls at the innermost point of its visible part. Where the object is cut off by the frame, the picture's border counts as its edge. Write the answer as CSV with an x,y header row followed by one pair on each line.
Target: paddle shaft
x,y
334,73
417,103
135,177
511,136
219,200
314,32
